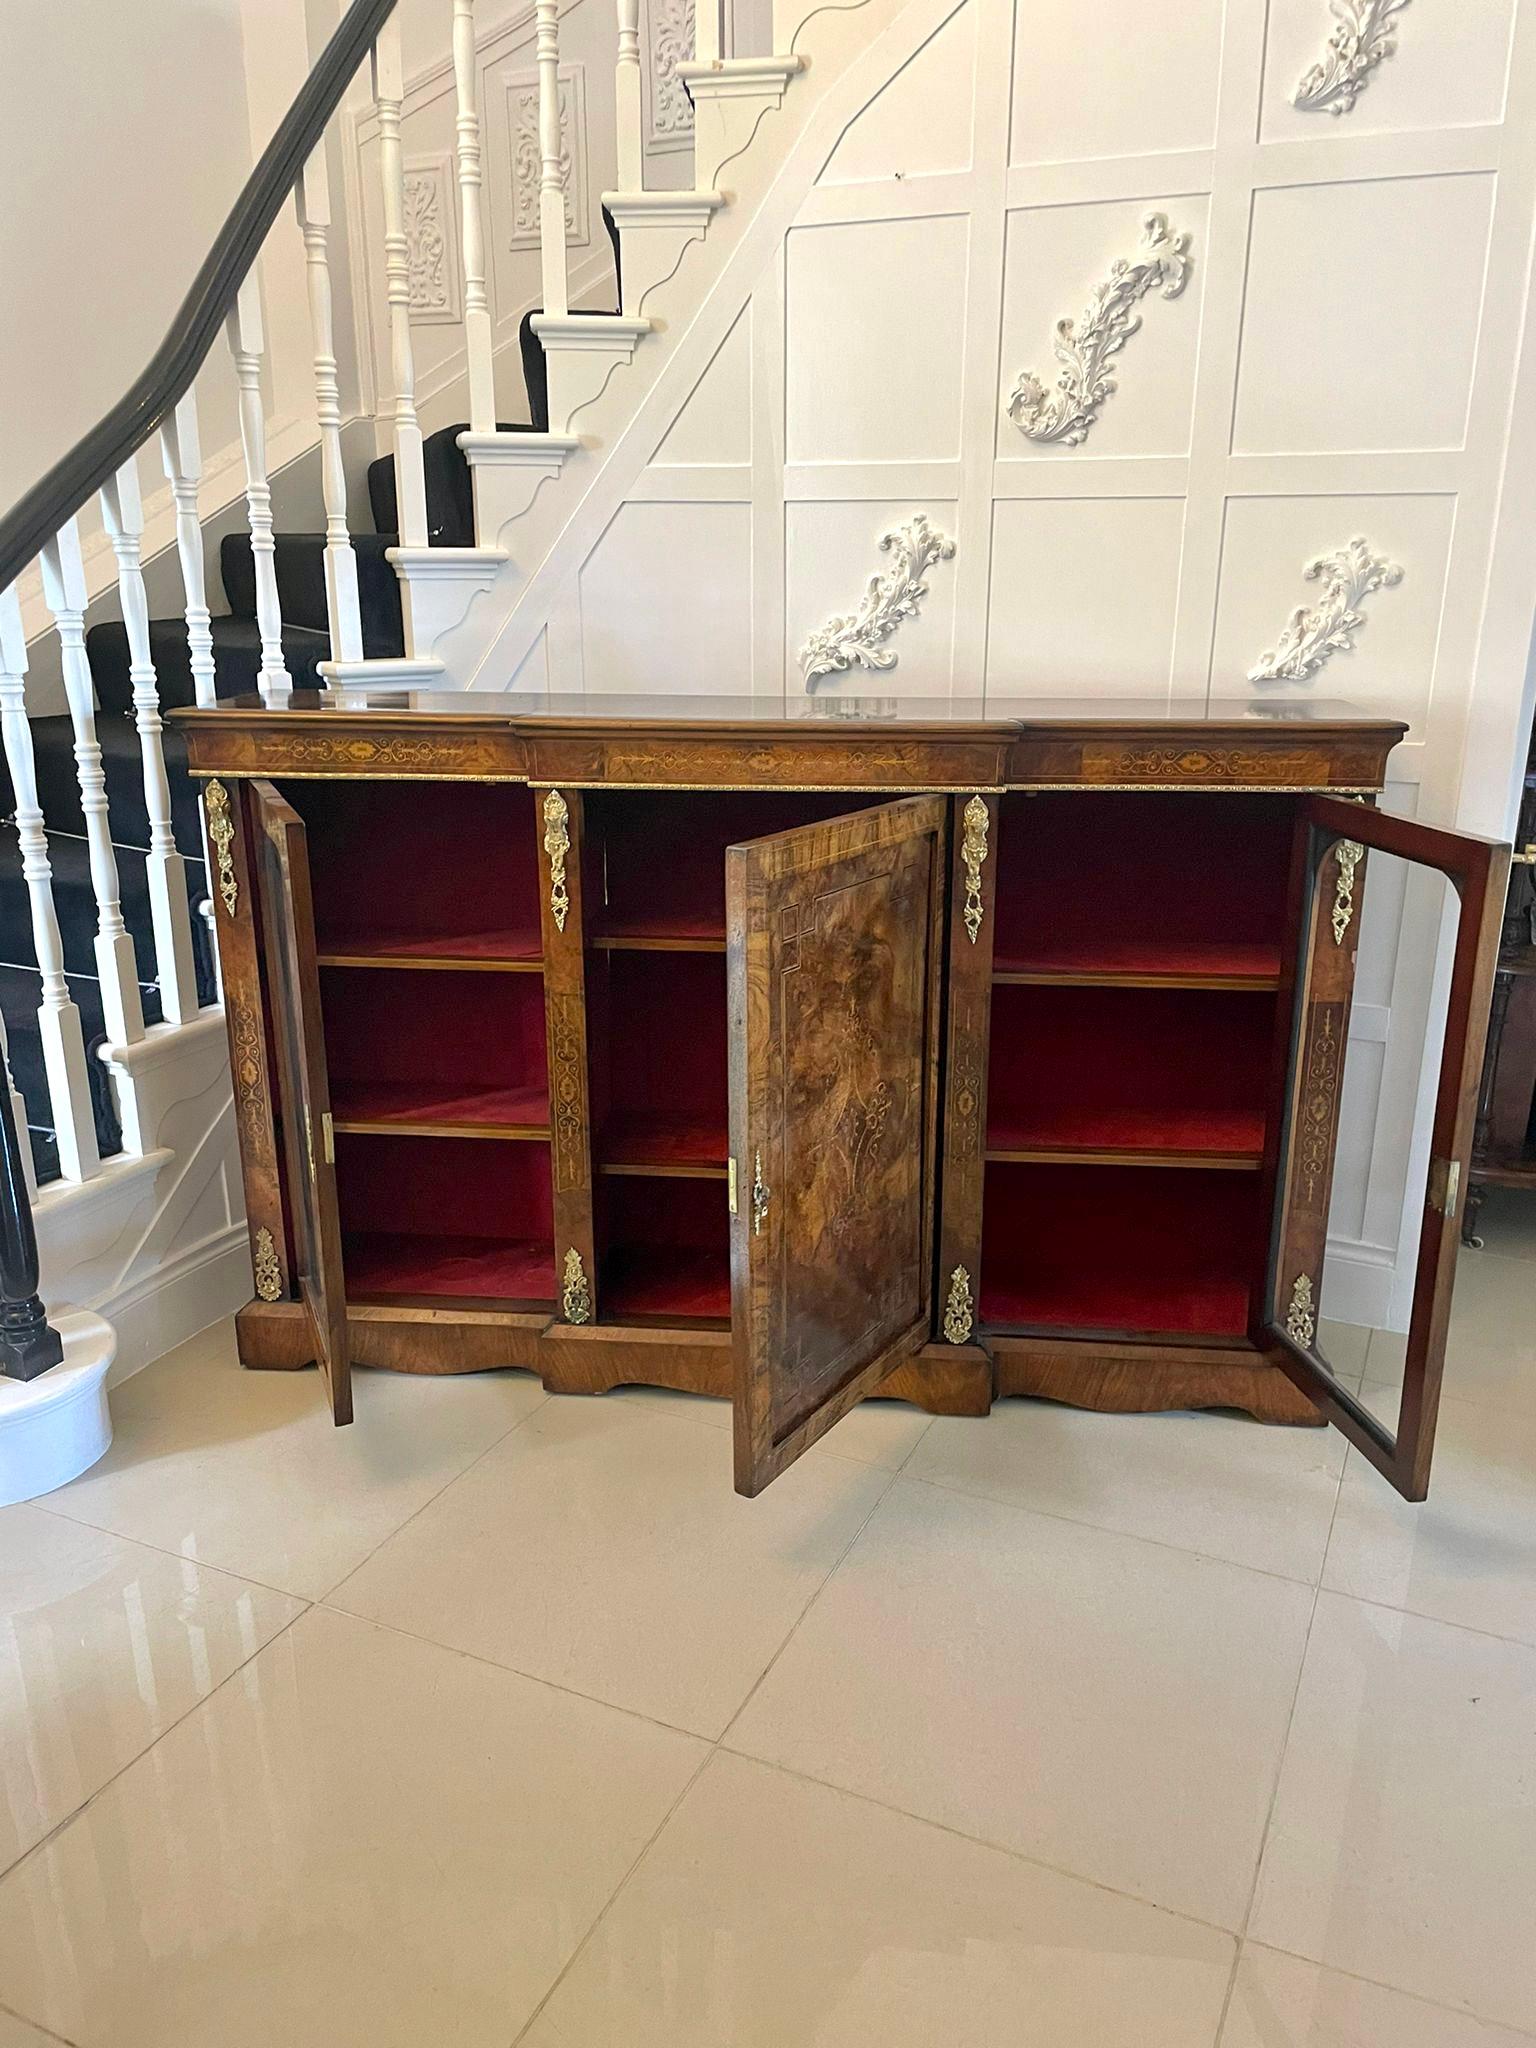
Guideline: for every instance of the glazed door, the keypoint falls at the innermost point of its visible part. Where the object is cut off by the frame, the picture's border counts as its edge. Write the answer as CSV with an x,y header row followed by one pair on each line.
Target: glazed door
x,y
1335,841
293,982
835,944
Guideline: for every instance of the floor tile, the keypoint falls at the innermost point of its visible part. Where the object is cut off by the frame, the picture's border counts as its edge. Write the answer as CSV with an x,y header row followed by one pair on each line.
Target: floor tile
x,y
1490,1353
875,1433
1281,2002
602,1547
245,1470
772,1912
1403,1844
1110,1706
16,2033
1507,1223
1468,1553
1344,1346
360,1842
103,1644
1223,1485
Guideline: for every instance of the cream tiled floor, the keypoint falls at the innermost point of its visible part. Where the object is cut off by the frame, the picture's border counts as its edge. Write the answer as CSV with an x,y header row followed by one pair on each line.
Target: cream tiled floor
x,y
496,1719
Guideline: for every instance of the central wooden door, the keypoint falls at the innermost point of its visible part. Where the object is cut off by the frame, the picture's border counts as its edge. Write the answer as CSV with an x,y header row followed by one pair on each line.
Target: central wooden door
x,y
835,937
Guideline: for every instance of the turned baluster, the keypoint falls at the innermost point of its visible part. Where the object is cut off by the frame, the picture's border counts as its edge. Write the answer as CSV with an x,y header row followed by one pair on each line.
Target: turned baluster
x,y
64,589
626,87
313,201
551,185
122,511
477,311
706,32
182,461
28,1343
247,345
58,1021
410,472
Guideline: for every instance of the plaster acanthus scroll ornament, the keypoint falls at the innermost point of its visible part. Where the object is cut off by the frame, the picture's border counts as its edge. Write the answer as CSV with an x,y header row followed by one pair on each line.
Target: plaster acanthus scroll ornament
x,y
670,25
426,245
1085,347
853,639
1366,32
526,167
1313,634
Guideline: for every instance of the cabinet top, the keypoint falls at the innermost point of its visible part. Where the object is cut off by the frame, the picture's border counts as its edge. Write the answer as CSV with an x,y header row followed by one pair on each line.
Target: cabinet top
x,y
838,742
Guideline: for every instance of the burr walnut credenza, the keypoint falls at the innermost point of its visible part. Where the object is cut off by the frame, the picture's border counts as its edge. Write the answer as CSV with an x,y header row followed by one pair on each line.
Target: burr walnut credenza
x,y
897,1048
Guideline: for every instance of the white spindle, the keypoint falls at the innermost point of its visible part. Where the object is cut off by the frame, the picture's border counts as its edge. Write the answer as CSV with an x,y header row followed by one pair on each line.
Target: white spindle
x,y
477,310
64,589
246,345
313,200
122,511
706,32
551,186
410,475
626,85
182,459
58,1021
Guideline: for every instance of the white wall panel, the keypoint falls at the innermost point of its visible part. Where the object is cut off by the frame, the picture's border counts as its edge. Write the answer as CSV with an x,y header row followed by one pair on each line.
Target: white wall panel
x,y
1083,597
862,386
1361,322
715,425
666,601
1055,259
1114,78
921,122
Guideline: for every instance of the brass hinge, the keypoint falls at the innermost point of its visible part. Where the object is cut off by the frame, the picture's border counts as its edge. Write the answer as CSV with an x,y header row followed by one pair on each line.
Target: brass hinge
x,y
328,1137
1524,856
730,1183
1444,1186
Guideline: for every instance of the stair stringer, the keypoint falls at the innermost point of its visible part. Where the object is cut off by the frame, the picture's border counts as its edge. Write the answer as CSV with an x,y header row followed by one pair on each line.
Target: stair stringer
x,y
777,159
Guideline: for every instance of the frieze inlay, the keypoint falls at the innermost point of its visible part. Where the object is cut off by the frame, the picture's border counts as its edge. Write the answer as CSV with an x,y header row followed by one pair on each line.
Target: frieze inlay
x,y
264,1262
568,1091
314,751
1348,853
557,844
1315,633
1364,34
575,1294
1208,764
973,851
248,1063
857,639
221,830
1301,1316
964,1120
1085,348
669,28
527,163
959,1310
432,269
1319,1104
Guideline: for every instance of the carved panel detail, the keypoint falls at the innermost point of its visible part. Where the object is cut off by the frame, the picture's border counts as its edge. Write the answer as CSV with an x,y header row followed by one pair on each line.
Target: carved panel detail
x,y
1365,32
856,639
669,34
432,265
526,163
1314,634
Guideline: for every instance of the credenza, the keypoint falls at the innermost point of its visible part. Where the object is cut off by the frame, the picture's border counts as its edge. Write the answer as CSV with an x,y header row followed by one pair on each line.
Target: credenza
x,y
924,1050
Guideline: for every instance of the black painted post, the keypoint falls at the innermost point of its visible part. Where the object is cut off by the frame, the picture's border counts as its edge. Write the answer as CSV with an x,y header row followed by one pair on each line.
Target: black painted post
x,y
28,1342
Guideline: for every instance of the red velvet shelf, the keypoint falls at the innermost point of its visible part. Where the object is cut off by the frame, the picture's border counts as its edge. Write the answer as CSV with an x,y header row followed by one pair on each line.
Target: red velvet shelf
x,y
1225,1138
451,1268
653,1144
1197,1305
667,1281
661,930
510,951
457,1107
1132,961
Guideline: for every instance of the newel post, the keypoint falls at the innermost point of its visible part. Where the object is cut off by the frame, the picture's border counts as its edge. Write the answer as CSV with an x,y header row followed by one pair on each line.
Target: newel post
x,y
29,1344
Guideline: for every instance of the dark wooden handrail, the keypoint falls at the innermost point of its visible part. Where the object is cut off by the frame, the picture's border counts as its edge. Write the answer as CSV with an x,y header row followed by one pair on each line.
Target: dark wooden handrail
x,y
37,517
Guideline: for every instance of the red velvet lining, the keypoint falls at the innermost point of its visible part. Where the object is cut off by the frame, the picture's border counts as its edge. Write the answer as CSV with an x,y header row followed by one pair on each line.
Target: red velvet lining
x,y
391,873
660,1043
394,1037
1129,1249
1125,882
449,1268
417,1102
1128,1069
666,1248
446,1216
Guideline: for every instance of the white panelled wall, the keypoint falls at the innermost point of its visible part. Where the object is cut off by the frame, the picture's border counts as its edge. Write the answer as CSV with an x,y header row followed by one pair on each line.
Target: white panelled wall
x,y
1328,350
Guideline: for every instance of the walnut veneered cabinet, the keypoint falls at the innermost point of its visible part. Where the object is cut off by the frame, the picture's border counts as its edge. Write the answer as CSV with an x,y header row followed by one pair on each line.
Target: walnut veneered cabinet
x,y
884,1049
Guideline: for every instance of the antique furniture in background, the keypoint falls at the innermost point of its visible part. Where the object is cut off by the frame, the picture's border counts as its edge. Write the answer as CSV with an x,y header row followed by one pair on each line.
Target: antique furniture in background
x,y
931,1051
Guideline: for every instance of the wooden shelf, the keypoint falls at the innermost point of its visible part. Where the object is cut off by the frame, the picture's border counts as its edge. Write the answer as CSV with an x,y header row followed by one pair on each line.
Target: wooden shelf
x,y
492,952
660,931
1232,1141
651,1146
666,1282
441,1110
387,1265
1142,963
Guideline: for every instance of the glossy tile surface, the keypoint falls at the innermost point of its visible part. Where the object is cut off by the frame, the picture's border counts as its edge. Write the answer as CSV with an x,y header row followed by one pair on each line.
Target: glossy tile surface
x,y
1209,1483
1490,1353
880,1433
103,1645
1110,1706
1403,1842
1280,2002
602,1547
245,1471
16,2033
363,1841
772,1913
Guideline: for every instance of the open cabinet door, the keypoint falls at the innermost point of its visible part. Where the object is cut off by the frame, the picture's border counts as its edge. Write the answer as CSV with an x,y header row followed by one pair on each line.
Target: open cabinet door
x,y
835,937
288,925
1334,843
